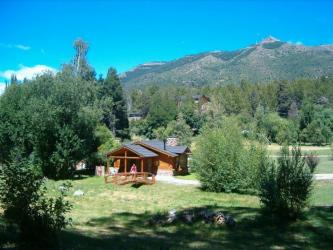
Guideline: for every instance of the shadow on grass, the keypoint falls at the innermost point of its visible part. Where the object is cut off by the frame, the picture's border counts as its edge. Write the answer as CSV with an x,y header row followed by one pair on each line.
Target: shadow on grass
x,y
253,231
136,185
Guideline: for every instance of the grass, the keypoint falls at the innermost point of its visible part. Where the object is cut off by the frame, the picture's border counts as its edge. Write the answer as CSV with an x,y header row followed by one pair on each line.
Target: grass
x,y
274,150
116,217
325,165
190,176
323,193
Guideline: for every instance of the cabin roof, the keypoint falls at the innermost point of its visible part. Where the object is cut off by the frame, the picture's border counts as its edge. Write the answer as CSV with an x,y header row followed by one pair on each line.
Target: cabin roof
x,y
144,149
137,149
169,149
140,150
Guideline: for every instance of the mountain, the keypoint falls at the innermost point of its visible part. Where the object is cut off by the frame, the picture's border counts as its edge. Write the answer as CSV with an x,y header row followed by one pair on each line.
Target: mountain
x,y
271,59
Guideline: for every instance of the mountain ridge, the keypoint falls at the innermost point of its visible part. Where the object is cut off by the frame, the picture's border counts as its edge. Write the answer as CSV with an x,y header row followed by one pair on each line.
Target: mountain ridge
x,y
270,59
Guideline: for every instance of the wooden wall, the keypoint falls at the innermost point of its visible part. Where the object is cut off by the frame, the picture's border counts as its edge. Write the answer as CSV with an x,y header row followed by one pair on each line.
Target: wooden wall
x,y
162,162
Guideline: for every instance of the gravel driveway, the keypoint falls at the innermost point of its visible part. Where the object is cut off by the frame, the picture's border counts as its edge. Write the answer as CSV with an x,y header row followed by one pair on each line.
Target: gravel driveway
x,y
173,180
323,177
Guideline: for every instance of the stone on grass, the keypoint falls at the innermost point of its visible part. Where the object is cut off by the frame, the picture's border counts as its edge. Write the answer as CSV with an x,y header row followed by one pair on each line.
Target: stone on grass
x,y
78,193
219,218
188,217
207,215
230,221
172,216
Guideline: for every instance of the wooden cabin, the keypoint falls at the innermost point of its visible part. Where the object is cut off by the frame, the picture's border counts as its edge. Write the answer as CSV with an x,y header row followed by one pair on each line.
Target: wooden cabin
x,y
151,156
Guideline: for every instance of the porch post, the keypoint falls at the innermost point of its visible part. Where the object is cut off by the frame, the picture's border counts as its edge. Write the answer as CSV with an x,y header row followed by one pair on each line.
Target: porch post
x,y
142,165
107,166
126,161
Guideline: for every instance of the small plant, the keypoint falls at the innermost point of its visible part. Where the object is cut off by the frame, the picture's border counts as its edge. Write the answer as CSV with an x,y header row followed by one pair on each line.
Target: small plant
x,y
25,204
224,164
286,186
312,160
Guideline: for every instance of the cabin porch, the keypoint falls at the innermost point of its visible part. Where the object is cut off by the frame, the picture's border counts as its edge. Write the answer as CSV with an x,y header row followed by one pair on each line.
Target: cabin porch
x,y
122,160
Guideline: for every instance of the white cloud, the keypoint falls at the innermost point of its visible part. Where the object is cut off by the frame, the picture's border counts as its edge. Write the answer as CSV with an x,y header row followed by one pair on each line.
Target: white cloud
x,y
296,43
27,72
17,46
22,47
2,87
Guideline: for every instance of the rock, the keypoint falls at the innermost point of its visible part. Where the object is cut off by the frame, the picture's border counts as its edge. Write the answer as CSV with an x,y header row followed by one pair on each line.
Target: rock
x,y
207,215
188,217
230,221
219,218
172,216
78,193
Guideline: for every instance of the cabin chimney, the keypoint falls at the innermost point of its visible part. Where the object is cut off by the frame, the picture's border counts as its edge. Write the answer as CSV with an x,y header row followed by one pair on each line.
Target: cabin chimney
x,y
172,141
164,144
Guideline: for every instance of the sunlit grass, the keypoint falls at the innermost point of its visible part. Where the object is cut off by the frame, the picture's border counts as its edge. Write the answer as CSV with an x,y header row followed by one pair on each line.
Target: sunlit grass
x,y
116,217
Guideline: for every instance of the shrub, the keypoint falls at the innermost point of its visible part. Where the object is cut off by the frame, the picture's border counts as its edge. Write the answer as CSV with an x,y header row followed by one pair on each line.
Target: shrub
x,y
224,163
24,201
178,129
286,186
107,143
278,129
312,160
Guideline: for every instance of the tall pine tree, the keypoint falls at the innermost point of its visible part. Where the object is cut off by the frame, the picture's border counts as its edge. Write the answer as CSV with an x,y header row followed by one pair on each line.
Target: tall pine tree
x,y
116,119
81,67
283,101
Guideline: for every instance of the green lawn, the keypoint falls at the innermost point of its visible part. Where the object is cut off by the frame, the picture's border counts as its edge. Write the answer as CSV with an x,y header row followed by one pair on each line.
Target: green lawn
x,y
116,217
323,193
325,165
191,176
274,150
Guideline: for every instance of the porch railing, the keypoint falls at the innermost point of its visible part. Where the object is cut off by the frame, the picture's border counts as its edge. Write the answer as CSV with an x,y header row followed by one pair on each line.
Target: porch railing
x,y
125,178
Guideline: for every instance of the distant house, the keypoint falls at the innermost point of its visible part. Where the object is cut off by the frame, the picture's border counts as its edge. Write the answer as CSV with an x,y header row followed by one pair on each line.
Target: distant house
x,y
135,116
203,102
151,156
81,165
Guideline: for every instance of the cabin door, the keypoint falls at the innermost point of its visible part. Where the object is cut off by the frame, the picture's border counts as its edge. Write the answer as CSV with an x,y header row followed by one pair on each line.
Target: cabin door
x,y
150,165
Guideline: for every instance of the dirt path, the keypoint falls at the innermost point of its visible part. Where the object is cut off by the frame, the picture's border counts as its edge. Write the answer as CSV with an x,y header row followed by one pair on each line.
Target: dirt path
x,y
322,177
175,181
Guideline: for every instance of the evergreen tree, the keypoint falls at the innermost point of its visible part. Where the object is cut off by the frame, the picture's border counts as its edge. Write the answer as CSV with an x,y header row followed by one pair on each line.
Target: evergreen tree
x,y
80,63
293,110
13,79
116,118
282,99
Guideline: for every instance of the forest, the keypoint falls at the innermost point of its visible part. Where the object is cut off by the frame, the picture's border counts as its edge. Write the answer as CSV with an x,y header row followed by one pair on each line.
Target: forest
x,y
53,122
283,112
59,120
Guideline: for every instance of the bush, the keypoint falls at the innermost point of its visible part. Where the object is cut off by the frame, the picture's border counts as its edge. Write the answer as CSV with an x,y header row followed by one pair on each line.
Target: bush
x,y
224,163
24,201
286,186
178,129
47,118
107,143
312,160
278,129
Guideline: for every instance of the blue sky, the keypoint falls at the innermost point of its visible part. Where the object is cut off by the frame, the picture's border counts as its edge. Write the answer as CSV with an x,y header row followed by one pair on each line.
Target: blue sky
x,y
37,35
